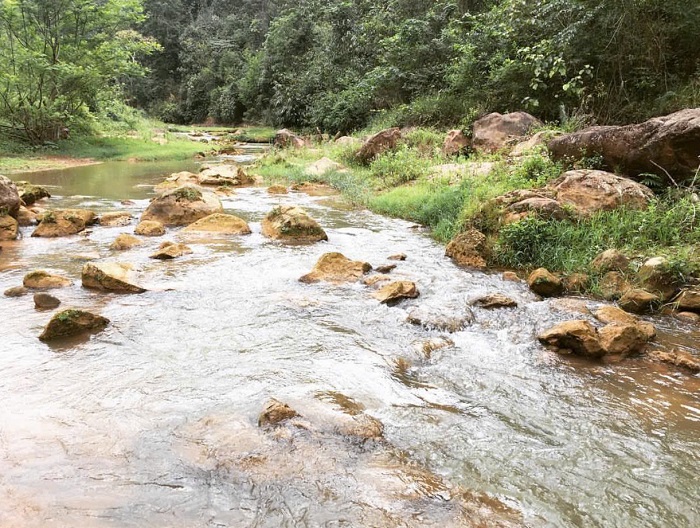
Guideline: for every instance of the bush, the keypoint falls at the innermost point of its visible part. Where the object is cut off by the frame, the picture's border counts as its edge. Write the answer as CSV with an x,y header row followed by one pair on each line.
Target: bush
x,y
399,167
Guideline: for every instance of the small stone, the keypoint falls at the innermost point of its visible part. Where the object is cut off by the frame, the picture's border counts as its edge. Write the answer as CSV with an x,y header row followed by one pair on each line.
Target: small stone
x,y
275,412
171,250
690,317
70,323
336,268
638,301
150,228
388,268
496,300
576,283
17,291
43,280
125,241
510,276
397,291
544,283
44,301
689,300
398,256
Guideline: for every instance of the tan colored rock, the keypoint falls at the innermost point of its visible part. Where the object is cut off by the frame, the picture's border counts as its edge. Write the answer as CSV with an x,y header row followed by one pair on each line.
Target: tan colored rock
x,y
591,191
495,300
69,323
495,131
399,256
622,339
275,412
277,189
177,180
455,143
679,359
16,291
397,291
31,194
44,301
656,276
450,323
573,337
115,219
663,144
544,283
610,260
225,175
468,249
315,189
292,224
323,166
336,268
171,250
150,228
690,317
347,141
64,222
510,276
110,276
689,300
182,206
43,280
376,279
613,285
26,217
125,242
286,139
223,223
613,314
576,283
9,197
379,143
638,301
9,228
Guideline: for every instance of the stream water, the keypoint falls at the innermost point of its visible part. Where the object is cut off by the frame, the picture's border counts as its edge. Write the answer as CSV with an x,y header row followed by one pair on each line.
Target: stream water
x,y
153,421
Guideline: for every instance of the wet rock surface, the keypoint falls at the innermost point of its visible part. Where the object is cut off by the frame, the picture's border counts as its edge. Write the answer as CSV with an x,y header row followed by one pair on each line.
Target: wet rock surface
x,y
292,224
44,301
397,291
44,280
69,323
171,250
150,228
544,283
222,223
468,249
64,222
125,242
182,206
336,268
110,276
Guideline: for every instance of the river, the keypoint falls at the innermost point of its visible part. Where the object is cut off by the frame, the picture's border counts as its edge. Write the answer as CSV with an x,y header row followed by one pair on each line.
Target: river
x,y
153,421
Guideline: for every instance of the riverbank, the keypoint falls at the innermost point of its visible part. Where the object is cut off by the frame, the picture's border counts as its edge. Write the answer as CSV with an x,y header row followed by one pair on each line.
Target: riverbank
x,y
416,180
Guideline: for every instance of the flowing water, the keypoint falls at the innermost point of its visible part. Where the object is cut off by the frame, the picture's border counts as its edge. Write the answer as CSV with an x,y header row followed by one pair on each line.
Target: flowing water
x,y
153,421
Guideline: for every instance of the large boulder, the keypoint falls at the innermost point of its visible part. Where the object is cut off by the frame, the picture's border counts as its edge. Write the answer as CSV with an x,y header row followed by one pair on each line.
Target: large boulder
x,y
69,323
336,268
110,276
64,222
495,131
590,191
397,291
226,175
378,144
223,223
468,249
9,228
575,337
544,283
664,144
9,197
289,223
455,143
43,280
182,206
285,139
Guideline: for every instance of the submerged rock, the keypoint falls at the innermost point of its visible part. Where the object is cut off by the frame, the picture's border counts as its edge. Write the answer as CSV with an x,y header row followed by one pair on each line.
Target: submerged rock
x,y
397,291
220,223
336,268
363,426
275,412
468,249
125,241
289,223
576,337
64,222
43,280
182,206
9,228
171,250
110,276
440,322
115,219
378,144
150,228
544,283
70,323
44,301
374,280
495,300
679,359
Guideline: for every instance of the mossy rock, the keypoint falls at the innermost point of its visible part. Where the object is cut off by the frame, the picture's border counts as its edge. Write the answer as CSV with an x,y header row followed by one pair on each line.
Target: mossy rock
x,y
72,322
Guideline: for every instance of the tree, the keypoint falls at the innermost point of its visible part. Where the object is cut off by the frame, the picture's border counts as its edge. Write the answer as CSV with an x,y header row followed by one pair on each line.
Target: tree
x,y
59,56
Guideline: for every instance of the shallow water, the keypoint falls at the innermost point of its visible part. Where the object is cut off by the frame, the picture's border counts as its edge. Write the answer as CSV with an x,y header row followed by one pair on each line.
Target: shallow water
x,y
153,421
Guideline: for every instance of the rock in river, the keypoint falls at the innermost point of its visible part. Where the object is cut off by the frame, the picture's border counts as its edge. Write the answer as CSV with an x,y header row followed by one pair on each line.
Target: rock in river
x,y
396,291
64,222
220,223
182,206
70,323
110,276
115,219
9,228
275,412
171,250
125,241
544,283
43,280
577,337
9,197
289,223
468,249
44,301
150,228
336,268
495,300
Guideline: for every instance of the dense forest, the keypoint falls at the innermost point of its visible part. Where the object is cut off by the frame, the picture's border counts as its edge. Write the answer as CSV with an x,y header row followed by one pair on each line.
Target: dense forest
x,y
337,66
